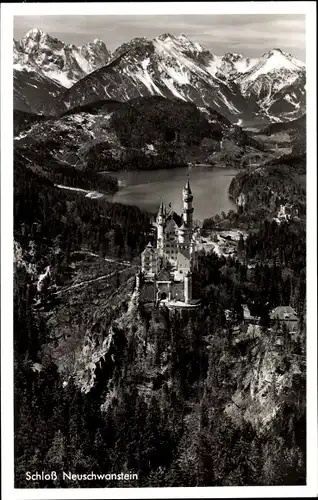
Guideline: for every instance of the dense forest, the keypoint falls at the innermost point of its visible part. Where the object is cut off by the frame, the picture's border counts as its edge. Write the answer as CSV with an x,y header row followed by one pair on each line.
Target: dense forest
x,y
22,120
40,160
175,432
59,222
295,126
171,398
260,192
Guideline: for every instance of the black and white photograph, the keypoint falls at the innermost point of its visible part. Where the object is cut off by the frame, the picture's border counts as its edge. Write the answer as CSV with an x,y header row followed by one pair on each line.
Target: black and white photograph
x,y
161,323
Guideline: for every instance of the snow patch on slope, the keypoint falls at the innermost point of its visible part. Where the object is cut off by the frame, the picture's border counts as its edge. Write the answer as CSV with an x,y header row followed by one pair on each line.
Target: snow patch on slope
x,y
171,87
146,79
214,65
229,105
61,78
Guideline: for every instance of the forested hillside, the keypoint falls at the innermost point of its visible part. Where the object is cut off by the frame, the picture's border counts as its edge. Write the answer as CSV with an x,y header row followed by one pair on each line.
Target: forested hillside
x,y
57,222
119,386
262,190
105,382
145,133
170,395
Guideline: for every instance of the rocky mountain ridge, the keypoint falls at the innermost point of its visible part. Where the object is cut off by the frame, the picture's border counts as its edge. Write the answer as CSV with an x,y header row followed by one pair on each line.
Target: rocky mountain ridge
x,y
34,92
61,62
267,89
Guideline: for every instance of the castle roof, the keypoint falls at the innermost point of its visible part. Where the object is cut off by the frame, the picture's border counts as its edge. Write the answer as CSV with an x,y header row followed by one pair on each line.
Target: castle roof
x,y
164,275
161,209
177,218
149,248
187,187
185,252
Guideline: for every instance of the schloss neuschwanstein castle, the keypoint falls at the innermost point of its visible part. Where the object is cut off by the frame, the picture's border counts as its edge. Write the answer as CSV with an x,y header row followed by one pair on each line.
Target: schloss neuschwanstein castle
x,y
166,269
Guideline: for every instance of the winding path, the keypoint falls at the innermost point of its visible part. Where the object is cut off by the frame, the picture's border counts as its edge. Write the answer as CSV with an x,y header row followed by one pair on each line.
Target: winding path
x,y
105,276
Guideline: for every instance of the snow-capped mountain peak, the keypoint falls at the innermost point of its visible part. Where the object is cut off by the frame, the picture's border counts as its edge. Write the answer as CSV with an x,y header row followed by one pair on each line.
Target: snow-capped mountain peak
x,y
34,33
180,42
277,84
97,41
274,61
231,65
37,39
166,36
169,65
64,63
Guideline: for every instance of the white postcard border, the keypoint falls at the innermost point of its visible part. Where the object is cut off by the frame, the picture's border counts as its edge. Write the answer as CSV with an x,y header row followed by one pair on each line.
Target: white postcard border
x,y
8,11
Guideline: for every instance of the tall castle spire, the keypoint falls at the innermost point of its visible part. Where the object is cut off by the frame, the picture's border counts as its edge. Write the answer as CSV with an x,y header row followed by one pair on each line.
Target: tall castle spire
x,y
160,224
187,198
161,208
187,187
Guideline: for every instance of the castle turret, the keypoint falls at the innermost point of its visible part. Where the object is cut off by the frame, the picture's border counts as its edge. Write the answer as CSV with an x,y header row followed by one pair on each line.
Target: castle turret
x,y
188,288
182,233
139,277
161,213
187,198
160,225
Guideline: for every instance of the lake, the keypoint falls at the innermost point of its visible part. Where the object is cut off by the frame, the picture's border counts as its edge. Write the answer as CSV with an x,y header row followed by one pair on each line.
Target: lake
x,y
144,189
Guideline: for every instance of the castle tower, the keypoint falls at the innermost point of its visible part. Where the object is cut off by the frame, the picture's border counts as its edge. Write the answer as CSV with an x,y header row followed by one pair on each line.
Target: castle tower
x,y
182,234
188,288
149,261
160,225
187,198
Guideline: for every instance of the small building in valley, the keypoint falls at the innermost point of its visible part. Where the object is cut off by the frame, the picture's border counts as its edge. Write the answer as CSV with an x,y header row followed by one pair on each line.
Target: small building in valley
x,y
285,315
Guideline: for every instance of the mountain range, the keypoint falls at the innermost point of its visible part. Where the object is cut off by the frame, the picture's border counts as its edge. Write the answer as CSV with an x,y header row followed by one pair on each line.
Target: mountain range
x,y
63,63
244,90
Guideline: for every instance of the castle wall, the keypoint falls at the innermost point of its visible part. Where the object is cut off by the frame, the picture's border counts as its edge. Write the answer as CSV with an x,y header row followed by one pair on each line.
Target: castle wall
x,y
183,261
170,232
162,288
151,291
148,292
149,262
177,291
170,252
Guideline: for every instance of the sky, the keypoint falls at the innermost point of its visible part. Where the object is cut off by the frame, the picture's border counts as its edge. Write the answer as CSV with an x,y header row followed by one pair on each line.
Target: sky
x,y
248,34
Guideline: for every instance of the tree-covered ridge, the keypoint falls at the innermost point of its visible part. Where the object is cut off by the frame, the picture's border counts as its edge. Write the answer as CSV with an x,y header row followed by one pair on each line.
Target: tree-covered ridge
x,y
50,217
151,119
294,127
144,133
267,187
39,160
23,120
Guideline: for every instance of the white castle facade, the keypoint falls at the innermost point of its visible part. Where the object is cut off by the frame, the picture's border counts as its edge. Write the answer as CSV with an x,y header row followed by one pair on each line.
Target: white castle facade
x,y
167,267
